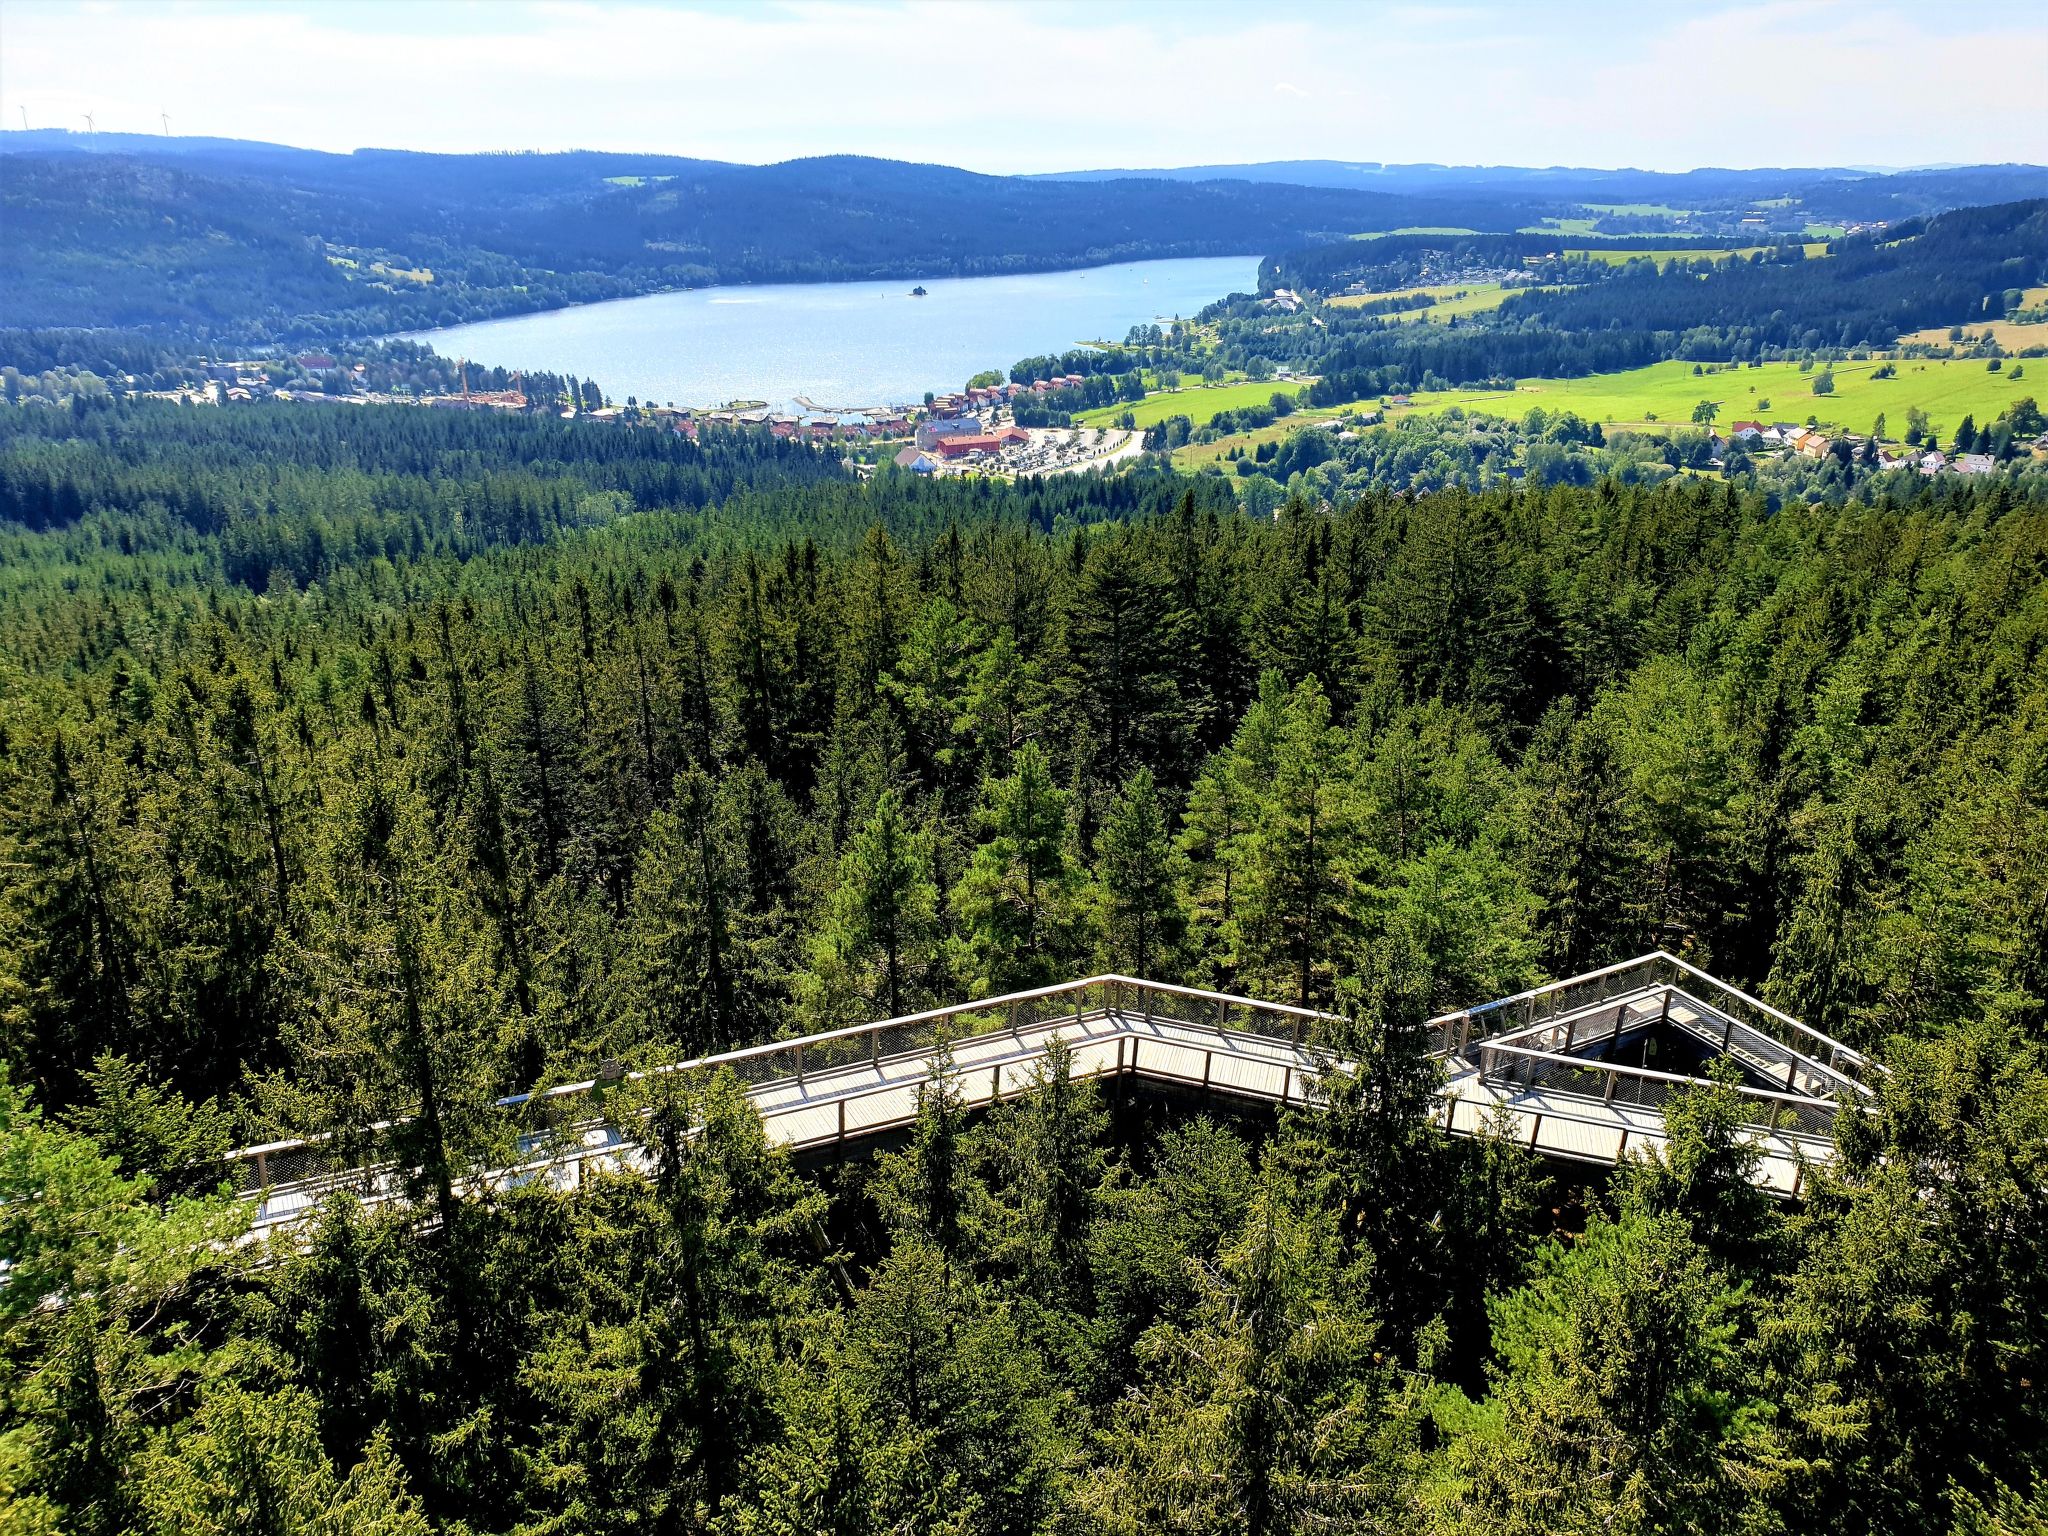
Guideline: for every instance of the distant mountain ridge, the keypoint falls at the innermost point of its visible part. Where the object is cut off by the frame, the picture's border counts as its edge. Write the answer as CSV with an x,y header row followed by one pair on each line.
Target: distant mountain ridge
x,y
222,241
250,243
1915,190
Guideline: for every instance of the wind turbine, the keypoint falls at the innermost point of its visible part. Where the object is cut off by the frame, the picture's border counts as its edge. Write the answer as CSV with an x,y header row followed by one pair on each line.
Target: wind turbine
x,y
24,119
167,125
88,122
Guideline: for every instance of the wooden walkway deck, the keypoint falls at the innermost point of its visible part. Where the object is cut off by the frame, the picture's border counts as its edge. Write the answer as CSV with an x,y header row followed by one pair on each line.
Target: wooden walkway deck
x,y
1511,1067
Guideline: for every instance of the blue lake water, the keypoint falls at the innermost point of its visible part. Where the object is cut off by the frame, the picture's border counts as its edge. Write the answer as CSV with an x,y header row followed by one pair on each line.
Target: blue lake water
x,y
841,343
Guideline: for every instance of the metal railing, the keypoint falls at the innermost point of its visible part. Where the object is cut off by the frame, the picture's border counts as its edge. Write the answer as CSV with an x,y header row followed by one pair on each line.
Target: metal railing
x,y
566,1112
1793,1047
860,1079
1764,1110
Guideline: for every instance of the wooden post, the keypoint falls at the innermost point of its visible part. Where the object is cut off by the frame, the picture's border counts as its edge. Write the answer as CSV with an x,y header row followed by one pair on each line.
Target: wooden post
x,y
1296,1039
263,1170
1119,1055
1208,1060
1607,1093
842,1119
995,1083
1535,1131
799,1066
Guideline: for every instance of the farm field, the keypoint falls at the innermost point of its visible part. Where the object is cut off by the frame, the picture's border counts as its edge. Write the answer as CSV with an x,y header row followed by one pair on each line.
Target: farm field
x,y
2013,335
1417,229
1642,210
1197,403
1616,255
1946,390
1192,456
2010,334
1451,299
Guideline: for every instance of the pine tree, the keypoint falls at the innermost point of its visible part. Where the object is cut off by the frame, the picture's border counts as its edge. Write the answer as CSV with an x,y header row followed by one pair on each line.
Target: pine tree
x,y
1266,1412
1302,859
1119,675
1139,885
1578,842
879,941
1019,903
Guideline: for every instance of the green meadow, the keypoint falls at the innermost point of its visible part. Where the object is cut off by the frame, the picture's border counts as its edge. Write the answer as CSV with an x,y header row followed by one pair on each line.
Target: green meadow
x,y
1664,394
1616,255
1416,229
1451,299
1197,402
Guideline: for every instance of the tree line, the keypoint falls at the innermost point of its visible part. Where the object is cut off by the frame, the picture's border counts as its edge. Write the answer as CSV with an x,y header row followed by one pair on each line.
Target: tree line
x,y
718,745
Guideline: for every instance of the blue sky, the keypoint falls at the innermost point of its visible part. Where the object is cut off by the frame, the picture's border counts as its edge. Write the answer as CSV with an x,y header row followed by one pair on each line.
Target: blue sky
x,y
1053,85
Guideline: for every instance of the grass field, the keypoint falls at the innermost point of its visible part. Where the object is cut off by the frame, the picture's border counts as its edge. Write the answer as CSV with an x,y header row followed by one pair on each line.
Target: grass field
x,y
1416,229
2010,334
1616,255
1641,210
1946,390
1451,299
1578,226
1194,455
1197,403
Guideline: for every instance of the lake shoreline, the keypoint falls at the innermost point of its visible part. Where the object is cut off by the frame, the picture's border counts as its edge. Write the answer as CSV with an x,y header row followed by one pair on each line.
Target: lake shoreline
x,y
865,340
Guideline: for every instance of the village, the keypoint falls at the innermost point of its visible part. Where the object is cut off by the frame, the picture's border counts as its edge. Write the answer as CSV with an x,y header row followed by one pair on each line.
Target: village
x,y
1808,443
968,432
972,431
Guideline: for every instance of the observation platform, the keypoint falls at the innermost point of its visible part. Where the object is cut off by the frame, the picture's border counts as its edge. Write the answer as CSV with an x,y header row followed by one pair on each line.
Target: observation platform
x,y
1578,1070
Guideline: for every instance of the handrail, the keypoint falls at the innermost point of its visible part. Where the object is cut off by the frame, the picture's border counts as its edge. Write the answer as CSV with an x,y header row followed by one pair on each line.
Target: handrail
x,y
1623,1069
771,1048
929,1015
1814,1066
1834,1045
1531,993
1840,1052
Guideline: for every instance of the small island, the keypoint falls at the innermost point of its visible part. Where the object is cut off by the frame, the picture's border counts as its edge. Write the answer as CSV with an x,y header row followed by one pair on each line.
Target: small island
x,y
918,292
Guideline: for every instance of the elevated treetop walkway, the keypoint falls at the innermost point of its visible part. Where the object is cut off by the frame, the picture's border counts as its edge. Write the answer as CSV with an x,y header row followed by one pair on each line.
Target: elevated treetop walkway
x,y
1579,1069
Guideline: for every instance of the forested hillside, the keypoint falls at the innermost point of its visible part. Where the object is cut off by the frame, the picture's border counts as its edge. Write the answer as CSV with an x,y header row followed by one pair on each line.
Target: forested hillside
x,y
1590,316
372,765
223,246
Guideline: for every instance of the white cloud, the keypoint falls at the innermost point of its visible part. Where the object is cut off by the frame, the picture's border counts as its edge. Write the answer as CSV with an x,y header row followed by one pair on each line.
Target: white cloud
x,y
1006,86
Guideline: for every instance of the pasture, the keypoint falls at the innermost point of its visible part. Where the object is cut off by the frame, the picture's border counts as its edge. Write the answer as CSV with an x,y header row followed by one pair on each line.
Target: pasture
x,y
1416,229
1196,402
1616,255
1663,394
1451,299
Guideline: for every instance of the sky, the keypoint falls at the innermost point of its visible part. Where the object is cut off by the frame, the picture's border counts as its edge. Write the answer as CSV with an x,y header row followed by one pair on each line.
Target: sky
x,y
1060,84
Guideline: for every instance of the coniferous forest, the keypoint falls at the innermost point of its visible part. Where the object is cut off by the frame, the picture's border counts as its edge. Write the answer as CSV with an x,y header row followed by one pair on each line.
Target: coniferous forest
x,y
372,765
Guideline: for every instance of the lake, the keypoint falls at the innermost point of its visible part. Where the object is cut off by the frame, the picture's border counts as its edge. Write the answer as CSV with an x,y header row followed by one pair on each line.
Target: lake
x,y
840,344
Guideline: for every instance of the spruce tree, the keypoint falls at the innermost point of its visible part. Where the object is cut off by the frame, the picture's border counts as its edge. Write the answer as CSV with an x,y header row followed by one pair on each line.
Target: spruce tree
x,y
1019,903
1139,887
878,943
